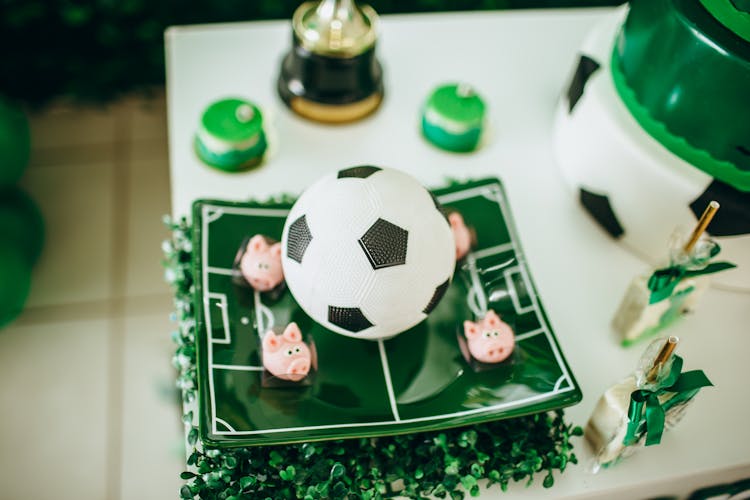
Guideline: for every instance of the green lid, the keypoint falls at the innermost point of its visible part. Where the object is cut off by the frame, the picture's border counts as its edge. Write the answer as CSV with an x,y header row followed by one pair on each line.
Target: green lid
x,y
458,103
685,77
453,118
232,120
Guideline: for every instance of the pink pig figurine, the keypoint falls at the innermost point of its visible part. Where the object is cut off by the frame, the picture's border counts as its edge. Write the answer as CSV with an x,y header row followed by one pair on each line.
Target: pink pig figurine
x,y
260,265
490,340
461,234
285,355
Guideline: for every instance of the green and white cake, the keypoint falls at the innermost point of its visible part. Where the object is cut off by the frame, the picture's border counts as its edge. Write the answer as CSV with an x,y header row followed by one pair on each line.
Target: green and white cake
x,y
231,136
453,118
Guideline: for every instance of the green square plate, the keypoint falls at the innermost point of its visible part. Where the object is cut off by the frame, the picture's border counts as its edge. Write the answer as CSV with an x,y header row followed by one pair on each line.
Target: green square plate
x,y
414,382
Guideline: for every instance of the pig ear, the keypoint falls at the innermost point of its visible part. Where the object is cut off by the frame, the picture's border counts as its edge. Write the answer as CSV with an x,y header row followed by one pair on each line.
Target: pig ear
x,y
491,319
271,342
455,219
292,333
471,330
257,243
276,249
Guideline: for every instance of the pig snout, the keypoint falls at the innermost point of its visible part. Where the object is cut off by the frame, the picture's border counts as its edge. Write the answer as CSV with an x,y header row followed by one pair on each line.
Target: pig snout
x,y
262,285
300,366
491,352
298,369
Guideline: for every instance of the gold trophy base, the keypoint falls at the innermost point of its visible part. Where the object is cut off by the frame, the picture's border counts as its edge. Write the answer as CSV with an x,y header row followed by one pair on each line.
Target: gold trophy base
x,y
335,113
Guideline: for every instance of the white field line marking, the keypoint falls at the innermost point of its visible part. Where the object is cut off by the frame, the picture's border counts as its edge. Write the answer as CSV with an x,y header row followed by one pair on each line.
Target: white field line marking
x,y
471,301
263,212
497,267
212,214
512,290
263,314
526,335
207,317
225,424
484,409
466,193
559,382
244,368
486,252
388,383
530,288
222,298
508,275
477,300
221,270
258,316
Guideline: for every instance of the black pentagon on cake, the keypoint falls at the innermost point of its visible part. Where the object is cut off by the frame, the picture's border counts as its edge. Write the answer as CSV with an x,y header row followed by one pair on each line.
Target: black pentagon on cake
x,y
733,218
349,318
361,172
385,244
439,292
601,210
298,239
586,67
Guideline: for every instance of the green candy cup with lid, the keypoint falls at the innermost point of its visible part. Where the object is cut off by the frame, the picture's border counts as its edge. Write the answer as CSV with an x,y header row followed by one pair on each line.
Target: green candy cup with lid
x,y
453,117
682,67
231,135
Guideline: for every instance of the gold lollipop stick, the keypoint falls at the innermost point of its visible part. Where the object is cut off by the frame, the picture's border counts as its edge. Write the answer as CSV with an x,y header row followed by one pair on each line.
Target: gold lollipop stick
x,y
703,223
664,353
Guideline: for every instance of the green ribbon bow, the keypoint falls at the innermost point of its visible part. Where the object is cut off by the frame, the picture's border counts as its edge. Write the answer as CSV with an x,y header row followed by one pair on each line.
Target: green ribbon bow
x,y
646,412
663,281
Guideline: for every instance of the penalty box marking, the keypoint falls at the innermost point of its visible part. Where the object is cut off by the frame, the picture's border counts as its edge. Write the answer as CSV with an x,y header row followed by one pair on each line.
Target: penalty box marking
x,y
513,291
212,213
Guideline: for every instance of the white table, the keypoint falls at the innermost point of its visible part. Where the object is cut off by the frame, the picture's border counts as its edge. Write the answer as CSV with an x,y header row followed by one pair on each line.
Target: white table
x,y
520,62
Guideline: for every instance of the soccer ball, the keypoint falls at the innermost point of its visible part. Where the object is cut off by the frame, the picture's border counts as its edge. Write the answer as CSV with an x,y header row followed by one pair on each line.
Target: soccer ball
x,y
633,187
367,252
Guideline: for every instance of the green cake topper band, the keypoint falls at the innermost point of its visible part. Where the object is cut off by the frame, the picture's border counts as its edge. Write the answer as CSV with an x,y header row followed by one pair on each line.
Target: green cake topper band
x,y
692,104
232,120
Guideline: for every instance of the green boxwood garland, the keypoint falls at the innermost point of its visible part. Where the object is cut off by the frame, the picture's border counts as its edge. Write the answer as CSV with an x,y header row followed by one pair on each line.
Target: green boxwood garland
x,y
447,463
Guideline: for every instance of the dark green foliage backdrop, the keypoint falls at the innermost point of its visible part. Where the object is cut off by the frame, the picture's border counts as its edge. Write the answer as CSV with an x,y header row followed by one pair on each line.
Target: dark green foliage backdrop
x,y
96,50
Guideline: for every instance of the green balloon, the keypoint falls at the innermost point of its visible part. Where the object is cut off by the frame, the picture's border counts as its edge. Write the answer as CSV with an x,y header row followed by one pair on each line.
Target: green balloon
x,y
15,142
15,281
21,224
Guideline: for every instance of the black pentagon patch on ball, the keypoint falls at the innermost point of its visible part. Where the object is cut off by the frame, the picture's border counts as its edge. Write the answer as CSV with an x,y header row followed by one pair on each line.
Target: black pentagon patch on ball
x,y
361,172
439,292
733,218
298,239
349,318
385,244
601,210
586,68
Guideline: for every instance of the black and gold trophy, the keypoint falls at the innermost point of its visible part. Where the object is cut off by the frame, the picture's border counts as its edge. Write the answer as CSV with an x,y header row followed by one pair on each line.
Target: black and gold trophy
x,y
331,74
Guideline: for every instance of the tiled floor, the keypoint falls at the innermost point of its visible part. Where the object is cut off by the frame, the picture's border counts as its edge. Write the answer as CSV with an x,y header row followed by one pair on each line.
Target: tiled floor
x,y
86,383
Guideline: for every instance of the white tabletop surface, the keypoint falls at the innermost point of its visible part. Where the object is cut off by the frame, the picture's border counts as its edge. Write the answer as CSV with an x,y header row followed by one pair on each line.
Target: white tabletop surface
x,y
520,61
